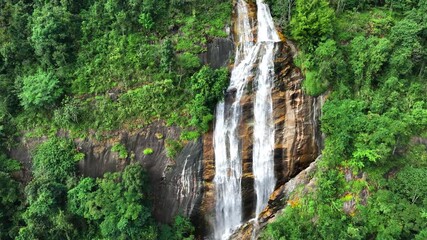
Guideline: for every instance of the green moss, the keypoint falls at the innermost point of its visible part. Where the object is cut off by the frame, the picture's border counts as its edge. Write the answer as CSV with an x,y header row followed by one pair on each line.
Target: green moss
x,y
148,151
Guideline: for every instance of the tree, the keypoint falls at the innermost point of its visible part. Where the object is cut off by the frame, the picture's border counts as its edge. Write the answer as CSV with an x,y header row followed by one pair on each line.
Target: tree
x,y
44,216
55,159
408,45
116,205
40,90
312,22
282,10
167,58
367,57
10,197
324,67
52,34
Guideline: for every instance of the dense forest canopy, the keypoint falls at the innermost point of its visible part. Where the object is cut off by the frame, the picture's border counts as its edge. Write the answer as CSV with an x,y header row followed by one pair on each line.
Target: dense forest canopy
x,y
97,66
370,58
103,65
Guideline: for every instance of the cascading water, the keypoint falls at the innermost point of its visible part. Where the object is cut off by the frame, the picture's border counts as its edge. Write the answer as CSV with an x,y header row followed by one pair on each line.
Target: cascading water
x,y
228,161
263,149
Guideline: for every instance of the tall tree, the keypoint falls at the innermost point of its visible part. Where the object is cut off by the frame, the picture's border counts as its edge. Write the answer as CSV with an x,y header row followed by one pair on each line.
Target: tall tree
x,y
312,22
52,34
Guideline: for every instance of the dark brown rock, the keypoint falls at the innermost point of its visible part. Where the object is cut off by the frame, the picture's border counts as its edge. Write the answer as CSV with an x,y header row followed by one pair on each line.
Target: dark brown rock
x,y
170,189
205,220
218,53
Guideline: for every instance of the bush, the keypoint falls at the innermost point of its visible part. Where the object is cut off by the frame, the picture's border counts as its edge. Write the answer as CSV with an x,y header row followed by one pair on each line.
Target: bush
x,y
69,113
207,86
148,151
173,147
121,149
312,22
56,159
40,90
115,206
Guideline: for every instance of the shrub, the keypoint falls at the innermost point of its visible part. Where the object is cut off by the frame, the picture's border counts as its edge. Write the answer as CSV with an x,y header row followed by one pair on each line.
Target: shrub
x,y
173,147
312,22
121,149
69,113
207,86
55,159
39,90
148,151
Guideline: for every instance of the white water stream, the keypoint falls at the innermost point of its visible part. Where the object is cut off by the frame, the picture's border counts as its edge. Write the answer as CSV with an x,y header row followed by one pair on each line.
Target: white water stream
x,y
228,161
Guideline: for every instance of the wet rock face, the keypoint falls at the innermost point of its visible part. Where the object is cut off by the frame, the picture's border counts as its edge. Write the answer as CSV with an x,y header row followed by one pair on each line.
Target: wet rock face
x,y
297,137
181,188
175,184
296,119
204,219
218,52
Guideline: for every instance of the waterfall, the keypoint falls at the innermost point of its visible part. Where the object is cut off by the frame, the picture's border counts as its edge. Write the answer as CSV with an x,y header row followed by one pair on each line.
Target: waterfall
x,y
228,161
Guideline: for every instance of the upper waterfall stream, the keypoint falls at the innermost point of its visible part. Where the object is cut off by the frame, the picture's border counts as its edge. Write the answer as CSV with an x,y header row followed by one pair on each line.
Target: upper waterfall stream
x,y
253,60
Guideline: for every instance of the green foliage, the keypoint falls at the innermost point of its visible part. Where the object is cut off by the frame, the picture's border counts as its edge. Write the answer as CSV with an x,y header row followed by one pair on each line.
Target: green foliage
x,y
397,204
167,60
402,5
52,34
44,216
312,22
173,147
355,5
146,21
188,61
282,11
322,67
406,39
55,160
115,205
207,86
367,57
8,165
10,196
135,101
148,151
373,67
183,228
409,183
180,230
111,58
40,90
69,113
121,149
119,64
4,118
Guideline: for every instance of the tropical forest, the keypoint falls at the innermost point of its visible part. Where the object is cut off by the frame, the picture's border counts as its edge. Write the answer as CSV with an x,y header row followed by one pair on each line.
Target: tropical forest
x,y
213,119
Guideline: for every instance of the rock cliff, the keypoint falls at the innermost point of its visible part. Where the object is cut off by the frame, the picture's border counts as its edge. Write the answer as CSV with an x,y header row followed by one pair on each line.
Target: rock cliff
x,y
175,183
184,185
297,135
